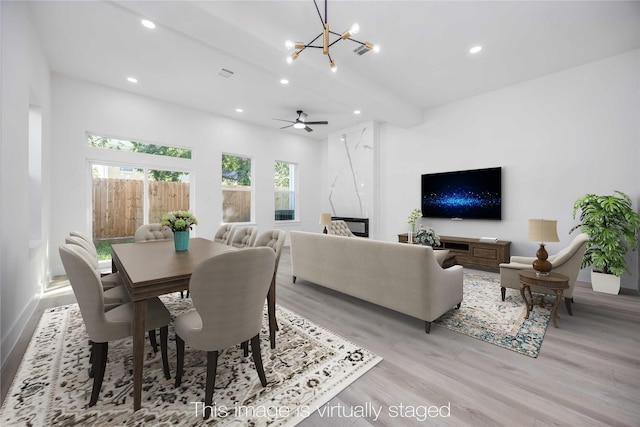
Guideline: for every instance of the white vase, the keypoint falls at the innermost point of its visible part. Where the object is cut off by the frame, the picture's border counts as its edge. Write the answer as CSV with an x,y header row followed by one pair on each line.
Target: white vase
x,y
605,283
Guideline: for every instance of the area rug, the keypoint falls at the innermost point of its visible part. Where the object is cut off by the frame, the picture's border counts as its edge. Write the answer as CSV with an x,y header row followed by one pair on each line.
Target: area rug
x,y
309,366
485,316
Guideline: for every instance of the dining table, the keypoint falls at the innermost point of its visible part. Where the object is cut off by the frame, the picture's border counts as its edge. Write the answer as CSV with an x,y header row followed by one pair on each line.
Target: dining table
x,y
154,268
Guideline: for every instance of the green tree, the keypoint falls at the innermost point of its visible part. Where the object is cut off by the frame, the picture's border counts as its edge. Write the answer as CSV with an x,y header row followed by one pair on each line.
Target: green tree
x,y
236,170
162,150
281,177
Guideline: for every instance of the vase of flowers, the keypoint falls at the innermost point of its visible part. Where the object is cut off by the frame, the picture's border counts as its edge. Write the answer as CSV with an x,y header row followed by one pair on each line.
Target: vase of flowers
x,y
180,222
413,217
427,236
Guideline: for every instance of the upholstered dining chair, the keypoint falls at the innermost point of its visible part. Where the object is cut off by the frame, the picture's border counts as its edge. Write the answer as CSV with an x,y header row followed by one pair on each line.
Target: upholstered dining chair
x,y
103,326
151,232
228,293
109,280
244,237
273,239
567,262
225,234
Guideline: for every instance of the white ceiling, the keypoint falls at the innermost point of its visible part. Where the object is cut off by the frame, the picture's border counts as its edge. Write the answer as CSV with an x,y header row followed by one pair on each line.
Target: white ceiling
x,y
424,60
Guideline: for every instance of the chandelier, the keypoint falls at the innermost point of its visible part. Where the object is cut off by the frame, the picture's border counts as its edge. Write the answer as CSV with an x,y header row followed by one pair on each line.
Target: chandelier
x,y
363,47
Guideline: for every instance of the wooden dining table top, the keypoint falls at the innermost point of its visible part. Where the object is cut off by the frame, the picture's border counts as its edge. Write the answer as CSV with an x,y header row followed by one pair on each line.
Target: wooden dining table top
x,y
156,262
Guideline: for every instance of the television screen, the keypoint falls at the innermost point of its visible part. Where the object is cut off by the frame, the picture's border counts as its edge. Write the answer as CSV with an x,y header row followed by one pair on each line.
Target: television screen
x,y
468,194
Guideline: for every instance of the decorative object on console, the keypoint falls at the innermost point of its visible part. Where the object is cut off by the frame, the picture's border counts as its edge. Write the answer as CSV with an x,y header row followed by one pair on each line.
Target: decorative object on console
x,y
413,217
613,227
427,236
180,222
325,219
325,35
542,230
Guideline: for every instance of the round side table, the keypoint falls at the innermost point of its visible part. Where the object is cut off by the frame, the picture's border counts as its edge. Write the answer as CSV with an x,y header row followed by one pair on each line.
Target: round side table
x,y
553,281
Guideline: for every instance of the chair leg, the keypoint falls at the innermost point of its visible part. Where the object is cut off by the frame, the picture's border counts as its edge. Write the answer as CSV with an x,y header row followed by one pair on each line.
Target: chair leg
x,y
100,360
503,291
179,360
567,303
153,341
212,366
427,326
257,359
271,308
164,332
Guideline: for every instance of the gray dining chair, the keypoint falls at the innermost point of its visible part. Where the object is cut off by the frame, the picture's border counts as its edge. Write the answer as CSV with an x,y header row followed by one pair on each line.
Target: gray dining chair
x,y
109,280
103,326
225,234
244,237
273,239
228,292
152,232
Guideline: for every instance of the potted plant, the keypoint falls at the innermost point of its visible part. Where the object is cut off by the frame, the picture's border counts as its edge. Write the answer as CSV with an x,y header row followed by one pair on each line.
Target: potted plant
x,y
427,236
180,222
613,227
413,217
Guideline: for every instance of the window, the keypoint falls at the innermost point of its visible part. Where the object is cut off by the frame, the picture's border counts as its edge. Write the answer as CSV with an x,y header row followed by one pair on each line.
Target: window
x,y
285,191
126,196
236,188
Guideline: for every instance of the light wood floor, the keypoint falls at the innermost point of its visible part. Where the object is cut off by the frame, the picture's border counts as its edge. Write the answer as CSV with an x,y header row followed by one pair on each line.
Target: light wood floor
x,y
587,373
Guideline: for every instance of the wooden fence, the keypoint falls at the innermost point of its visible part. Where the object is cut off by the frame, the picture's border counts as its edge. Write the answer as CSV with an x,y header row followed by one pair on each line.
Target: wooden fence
x,y
118,204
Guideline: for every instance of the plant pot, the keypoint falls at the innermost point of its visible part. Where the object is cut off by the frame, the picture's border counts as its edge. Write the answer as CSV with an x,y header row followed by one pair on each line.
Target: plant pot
x,y
181,240
605,283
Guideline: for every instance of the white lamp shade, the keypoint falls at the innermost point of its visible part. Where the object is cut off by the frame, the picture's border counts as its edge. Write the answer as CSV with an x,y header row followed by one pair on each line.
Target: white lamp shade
x,y
325,219
543,230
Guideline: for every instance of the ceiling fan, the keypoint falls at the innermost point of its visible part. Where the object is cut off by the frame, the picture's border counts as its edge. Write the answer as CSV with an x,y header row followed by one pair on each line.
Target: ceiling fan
x,y
301,122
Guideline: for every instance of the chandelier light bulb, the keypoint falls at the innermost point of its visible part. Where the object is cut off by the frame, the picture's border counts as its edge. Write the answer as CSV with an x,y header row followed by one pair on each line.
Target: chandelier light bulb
x,y
333,66
376,48
355,28
289,44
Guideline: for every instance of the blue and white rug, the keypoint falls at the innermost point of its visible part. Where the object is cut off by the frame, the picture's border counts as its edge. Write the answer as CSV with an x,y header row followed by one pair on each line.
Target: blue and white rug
x,y
483,315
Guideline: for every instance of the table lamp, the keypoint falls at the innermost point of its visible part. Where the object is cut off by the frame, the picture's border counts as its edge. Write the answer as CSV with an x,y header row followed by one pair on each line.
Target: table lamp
x,y
542,230
325,219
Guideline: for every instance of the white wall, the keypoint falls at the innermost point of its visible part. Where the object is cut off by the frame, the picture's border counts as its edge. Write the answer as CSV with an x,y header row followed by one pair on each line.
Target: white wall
x,y
556,138
25,80
81,107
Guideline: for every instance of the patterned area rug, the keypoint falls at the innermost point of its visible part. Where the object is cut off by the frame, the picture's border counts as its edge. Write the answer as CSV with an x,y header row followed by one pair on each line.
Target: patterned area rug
x,y
309,366
485,316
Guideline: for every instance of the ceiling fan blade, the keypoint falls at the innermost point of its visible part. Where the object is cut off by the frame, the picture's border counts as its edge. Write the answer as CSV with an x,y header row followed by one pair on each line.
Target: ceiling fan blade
x,y
283,120
284,127
308,129
317,123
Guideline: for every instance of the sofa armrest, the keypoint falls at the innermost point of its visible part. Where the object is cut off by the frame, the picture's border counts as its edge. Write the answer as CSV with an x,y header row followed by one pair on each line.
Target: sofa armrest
x,y
516,265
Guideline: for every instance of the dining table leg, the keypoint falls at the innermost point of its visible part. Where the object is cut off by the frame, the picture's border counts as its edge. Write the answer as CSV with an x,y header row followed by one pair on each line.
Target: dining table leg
x,y
139,318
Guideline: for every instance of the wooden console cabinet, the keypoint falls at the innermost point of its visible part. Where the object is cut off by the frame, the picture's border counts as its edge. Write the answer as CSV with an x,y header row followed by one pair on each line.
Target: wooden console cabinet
x,y
472,252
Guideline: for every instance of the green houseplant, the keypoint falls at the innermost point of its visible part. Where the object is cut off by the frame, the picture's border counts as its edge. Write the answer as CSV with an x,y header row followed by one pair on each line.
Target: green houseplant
x,y
613,227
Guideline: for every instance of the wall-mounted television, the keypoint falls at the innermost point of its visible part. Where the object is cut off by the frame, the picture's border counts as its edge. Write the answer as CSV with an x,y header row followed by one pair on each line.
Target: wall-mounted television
x,y
466,194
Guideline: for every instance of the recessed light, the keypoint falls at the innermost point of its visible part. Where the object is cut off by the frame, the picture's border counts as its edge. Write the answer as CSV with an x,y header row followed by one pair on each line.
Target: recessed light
x,y
356,112
148,24
132,80
475,49
284,81
239,110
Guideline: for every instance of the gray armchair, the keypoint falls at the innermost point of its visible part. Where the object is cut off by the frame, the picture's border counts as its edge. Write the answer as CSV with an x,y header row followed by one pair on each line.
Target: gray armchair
x,y
339,228
152,232
228,293
567,262
225,234
273,239
103,326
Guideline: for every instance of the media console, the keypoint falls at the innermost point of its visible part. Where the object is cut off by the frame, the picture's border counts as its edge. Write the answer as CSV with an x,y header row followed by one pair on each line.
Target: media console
x,y
472,252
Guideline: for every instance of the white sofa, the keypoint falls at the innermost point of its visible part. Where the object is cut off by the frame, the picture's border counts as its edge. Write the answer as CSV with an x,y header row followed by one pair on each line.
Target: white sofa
x,y
405,278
